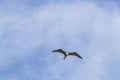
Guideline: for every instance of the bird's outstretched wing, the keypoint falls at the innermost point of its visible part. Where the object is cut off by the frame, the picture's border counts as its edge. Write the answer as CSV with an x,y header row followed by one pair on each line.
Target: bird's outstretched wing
x,y
75,54
59,50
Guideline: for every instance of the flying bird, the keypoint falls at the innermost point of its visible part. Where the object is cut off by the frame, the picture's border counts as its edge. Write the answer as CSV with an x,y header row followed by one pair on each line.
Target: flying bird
x,y
67,53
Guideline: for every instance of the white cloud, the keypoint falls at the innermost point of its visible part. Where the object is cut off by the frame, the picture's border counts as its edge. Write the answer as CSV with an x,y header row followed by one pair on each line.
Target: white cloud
x,y
83,27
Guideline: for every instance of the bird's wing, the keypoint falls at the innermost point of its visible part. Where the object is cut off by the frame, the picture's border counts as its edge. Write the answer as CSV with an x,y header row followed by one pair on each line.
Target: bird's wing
x,y
59,50
75,54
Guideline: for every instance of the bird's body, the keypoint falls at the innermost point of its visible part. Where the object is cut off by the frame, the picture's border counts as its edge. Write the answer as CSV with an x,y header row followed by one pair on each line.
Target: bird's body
x,y
67,53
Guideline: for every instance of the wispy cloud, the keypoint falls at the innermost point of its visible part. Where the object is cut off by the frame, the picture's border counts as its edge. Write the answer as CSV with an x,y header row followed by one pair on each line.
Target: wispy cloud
x,y
28,36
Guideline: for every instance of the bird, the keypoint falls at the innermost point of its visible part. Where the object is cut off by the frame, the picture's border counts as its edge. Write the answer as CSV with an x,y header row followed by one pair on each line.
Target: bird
x,y
67,53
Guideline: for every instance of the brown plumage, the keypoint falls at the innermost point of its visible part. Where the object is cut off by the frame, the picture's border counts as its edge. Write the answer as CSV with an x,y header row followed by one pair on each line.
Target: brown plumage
x,y
67,53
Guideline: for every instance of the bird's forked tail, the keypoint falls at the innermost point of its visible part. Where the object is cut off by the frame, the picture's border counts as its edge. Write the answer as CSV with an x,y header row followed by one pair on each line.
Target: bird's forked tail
x,y
64,57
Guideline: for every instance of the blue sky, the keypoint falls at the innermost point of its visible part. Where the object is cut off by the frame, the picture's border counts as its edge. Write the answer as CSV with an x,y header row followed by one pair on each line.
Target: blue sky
x,y
29,31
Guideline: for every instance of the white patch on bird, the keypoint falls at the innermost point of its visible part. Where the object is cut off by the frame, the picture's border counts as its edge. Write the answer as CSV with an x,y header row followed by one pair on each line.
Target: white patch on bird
x,y
67,53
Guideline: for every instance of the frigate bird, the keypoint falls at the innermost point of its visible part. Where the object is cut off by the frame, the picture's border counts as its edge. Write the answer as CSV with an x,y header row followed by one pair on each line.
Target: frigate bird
x,y
67,53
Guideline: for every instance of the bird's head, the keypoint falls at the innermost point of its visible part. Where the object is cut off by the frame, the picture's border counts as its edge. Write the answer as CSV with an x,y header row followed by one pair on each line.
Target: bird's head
x,y
67,53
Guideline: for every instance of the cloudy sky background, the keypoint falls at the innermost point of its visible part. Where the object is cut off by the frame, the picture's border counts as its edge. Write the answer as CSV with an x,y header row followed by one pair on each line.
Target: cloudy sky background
x,y
30,30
